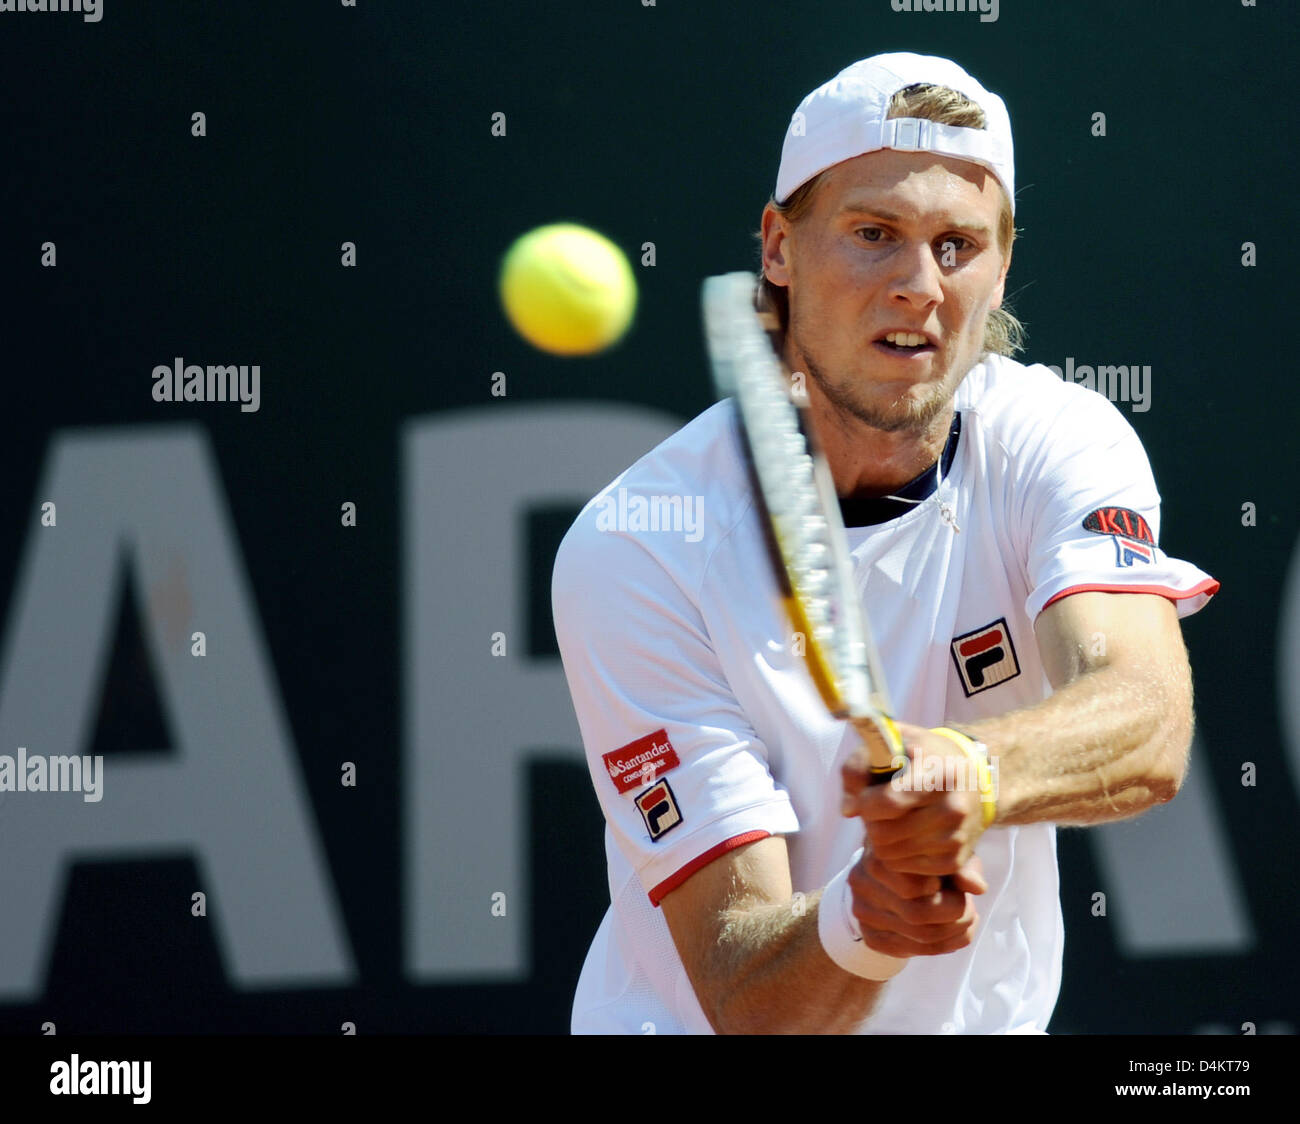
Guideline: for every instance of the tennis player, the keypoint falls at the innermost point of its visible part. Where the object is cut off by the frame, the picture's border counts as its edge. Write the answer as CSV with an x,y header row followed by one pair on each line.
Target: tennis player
x,y
1004,531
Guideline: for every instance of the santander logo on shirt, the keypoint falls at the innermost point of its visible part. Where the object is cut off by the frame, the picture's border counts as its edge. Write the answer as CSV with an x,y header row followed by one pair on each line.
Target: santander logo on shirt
x,y
636,764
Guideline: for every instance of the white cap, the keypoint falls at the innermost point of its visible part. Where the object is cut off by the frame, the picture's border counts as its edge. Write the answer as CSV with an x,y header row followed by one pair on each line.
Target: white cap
x,y
846,118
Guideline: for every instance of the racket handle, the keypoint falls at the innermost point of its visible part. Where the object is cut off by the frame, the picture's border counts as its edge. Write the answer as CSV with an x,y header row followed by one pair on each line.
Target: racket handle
x,y
881,776
884,744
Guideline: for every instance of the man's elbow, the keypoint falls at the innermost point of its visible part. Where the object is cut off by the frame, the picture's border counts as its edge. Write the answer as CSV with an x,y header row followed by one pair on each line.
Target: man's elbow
x,y
1163,787
731,1008
725,1021
737,1016
730,1011
1170,768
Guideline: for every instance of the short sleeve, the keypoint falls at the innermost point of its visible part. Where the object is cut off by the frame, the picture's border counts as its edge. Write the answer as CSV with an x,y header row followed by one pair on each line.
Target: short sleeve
x,y
1094,515
680,774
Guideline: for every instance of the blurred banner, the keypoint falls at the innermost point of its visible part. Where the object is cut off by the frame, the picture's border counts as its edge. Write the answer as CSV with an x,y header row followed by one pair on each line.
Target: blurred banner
x,y
288,744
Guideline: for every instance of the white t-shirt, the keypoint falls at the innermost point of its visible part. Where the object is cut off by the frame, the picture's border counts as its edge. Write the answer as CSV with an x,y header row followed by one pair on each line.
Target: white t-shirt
x,y
703,732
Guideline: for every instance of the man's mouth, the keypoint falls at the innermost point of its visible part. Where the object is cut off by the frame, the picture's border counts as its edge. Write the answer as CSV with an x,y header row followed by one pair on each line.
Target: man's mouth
x,y
904,343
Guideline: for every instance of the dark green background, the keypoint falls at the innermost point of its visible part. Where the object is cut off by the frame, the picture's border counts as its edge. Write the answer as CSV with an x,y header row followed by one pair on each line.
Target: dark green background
x,y
659,124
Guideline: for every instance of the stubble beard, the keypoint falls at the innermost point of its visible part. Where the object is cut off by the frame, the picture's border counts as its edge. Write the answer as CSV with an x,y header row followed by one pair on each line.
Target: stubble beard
x,y
903,415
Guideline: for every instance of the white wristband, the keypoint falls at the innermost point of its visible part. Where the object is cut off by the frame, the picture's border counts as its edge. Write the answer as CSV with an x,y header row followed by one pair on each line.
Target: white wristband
x,y
841,936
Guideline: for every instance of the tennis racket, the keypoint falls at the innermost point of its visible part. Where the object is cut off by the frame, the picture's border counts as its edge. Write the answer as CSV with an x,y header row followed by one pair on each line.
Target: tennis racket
x,y
800,513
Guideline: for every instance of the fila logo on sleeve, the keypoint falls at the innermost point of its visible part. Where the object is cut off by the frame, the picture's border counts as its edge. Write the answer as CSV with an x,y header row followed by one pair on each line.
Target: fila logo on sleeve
x,y
985,657
658,807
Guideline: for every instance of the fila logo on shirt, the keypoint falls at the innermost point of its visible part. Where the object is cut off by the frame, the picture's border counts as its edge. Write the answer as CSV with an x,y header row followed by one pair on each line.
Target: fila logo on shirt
x,y
985,657
658,807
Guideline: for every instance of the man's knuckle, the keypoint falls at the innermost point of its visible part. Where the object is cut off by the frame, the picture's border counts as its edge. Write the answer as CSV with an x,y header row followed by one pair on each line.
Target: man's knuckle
x,y
919,886
863,913
915,912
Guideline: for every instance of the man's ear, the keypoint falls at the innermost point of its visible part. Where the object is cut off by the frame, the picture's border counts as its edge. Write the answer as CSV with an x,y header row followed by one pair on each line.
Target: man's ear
x,y
776,229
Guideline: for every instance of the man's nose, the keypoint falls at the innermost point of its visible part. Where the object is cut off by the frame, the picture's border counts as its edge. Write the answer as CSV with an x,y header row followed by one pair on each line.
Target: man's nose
x,y
918,274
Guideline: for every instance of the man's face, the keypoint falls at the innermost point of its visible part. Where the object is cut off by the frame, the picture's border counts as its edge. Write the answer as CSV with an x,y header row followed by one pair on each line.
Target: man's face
x,y
870,258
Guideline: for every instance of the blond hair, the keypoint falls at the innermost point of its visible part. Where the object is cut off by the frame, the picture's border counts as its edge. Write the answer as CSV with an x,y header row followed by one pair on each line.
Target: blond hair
x,y
1003,333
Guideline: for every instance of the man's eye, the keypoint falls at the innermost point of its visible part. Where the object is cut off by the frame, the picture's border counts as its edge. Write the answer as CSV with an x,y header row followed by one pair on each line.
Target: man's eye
x,y
956,242
871,233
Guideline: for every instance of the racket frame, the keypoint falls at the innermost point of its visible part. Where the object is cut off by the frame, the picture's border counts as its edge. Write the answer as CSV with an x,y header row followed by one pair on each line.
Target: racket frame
x,y
798,507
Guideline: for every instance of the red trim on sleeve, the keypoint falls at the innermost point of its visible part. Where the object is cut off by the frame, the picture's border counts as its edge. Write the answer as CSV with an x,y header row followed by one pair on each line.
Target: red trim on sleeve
x,y
1209,587
669,884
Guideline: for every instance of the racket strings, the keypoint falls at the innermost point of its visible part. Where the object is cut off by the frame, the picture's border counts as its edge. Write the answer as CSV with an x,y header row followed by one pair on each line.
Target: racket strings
x,y
799,496
804,537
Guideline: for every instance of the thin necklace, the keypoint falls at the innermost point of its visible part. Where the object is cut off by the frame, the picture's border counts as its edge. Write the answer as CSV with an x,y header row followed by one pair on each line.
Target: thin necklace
x,y
946,512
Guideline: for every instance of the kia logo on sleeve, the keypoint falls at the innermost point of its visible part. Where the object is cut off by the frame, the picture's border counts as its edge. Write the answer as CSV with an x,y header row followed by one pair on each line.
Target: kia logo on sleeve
x,y
985,657
1122,521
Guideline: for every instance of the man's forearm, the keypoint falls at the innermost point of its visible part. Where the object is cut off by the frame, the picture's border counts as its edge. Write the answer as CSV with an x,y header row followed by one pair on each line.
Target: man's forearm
x,y
1104,747
779,979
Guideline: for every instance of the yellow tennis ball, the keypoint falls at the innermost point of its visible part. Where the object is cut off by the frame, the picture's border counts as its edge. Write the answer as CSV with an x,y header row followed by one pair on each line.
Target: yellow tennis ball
x,y
567,289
